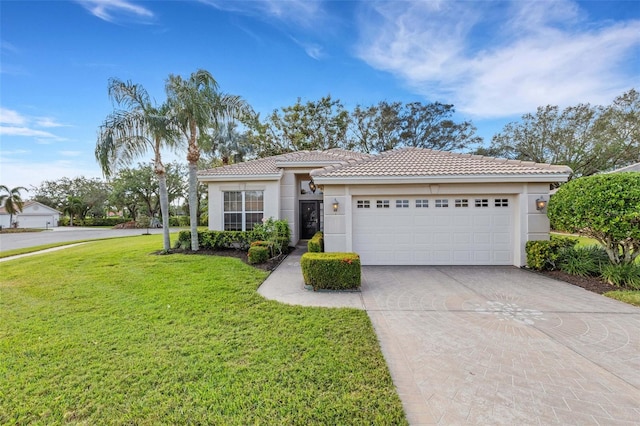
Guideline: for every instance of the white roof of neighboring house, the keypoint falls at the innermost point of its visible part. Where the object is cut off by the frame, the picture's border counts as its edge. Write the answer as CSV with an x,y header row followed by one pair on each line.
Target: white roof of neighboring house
x,y
400,164
630,168
33,205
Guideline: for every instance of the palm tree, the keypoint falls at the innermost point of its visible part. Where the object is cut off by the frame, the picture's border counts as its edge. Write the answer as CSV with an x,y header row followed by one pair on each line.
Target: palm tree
x,y
73,207
12,200
198,106
130,132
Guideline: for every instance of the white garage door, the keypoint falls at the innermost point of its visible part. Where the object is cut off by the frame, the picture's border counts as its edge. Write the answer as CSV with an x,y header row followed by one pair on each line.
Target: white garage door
x,y
434,230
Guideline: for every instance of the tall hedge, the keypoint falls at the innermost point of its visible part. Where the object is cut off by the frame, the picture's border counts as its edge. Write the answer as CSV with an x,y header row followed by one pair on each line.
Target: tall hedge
x,y
604,207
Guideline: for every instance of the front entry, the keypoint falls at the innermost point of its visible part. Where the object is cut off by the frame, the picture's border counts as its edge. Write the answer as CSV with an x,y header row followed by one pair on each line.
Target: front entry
x,y
310,219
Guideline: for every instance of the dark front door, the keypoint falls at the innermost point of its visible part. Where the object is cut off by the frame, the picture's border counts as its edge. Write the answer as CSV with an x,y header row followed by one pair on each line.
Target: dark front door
x,y
309,218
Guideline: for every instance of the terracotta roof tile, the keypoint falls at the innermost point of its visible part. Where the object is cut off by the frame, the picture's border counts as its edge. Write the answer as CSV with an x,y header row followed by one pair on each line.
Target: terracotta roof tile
x,y
408,162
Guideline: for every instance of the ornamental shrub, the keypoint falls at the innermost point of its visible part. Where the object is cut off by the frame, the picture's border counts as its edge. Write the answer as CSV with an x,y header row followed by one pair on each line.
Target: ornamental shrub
x,y
331,271
258,254
583,261
316,243
604,207
277,232
622,275
544,255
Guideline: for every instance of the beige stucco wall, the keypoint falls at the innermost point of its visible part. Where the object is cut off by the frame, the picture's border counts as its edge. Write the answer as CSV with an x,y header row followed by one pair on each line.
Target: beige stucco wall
x,y
271,190
529,224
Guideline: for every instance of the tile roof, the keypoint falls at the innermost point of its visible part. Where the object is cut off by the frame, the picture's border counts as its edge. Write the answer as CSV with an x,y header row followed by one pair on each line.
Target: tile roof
x,y
415,162
273,165
404,162
630,168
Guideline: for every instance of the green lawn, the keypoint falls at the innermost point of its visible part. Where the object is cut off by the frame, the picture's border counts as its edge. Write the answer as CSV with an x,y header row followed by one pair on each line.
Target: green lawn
x,y
631,297
107,333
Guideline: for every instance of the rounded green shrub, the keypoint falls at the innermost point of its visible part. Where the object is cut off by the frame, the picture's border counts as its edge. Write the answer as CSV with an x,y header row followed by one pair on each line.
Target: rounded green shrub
x,y
258,254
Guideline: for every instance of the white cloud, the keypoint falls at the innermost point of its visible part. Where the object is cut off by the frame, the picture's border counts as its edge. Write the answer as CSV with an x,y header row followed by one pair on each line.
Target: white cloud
x,y
112,10
313,50
70,153
8,116
500,59
48,122
25,131
298,12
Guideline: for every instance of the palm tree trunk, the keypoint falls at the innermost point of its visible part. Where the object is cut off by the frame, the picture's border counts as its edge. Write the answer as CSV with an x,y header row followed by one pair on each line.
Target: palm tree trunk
x,y
164,210
193,205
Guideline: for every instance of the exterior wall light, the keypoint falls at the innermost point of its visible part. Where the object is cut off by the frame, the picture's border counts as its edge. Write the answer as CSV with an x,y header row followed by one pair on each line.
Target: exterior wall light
x,y
541,203
312,186
335,205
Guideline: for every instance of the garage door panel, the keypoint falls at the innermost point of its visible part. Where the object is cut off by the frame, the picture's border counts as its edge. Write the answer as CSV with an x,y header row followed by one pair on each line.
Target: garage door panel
x,y
462,238
501,221
441,238
430,236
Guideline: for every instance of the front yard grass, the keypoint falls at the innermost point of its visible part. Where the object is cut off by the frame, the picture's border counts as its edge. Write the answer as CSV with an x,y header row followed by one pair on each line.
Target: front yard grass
x,y
107,333
631,297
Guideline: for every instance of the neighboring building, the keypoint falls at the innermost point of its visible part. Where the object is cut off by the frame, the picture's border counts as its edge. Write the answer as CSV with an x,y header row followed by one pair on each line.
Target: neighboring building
x,y
34,215
630,168
409,206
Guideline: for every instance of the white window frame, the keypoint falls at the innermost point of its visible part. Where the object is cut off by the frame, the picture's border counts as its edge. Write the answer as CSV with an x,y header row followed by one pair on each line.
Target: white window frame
x,y
243,211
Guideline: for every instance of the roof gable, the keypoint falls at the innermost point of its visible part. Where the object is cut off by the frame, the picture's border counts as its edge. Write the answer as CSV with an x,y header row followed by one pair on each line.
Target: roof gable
x,y
33,207
271,167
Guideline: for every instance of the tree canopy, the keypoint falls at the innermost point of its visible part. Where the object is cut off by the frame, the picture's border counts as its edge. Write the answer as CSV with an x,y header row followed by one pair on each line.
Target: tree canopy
x,y
589,139
605,207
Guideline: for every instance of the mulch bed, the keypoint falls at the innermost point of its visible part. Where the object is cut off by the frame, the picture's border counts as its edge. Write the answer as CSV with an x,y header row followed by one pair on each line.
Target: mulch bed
x,y
593,284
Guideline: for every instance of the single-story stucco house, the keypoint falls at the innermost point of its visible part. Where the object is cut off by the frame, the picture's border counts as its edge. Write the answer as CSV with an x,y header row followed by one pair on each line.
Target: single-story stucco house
x,y
409,206
33,215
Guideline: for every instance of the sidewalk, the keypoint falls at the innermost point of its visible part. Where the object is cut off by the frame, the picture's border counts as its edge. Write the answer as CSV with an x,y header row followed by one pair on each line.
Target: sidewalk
x,y
285,284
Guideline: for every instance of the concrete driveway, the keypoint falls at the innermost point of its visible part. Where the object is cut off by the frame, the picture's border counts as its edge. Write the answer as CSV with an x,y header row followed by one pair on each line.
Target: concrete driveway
x,y
499,345
492,345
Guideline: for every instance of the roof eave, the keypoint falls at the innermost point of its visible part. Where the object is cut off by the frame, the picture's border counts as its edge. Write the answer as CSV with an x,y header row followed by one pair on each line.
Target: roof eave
x,y
227,178
387,180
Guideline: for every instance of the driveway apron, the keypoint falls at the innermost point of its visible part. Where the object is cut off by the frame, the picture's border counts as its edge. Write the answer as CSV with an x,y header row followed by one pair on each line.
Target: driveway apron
x,y
499,345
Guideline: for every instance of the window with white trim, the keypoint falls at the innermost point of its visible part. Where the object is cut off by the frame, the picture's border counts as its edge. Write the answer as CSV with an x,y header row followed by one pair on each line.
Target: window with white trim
x,y
242,210
422,204
363,204
463,202
402,204
501,202
442,203
382,204
482,202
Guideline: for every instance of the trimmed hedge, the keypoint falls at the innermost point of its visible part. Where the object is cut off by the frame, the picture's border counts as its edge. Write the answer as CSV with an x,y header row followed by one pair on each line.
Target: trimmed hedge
x,y
273,234
331,271
217,240
316,243
258,254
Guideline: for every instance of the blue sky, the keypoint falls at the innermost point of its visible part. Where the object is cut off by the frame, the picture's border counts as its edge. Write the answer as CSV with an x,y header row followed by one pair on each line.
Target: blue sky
x,y
493,60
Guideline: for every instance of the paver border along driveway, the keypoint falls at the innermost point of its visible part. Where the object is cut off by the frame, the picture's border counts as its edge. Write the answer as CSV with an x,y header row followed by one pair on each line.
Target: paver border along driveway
x,y
500,345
